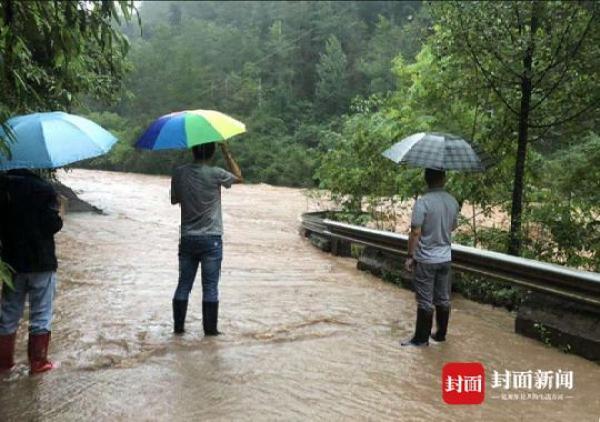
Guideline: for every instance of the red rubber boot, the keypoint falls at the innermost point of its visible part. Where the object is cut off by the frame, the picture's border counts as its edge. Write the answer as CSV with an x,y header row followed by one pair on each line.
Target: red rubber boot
x,y
7,352
38,353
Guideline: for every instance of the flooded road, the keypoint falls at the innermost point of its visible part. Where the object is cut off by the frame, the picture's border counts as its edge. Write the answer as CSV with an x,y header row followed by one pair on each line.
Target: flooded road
x,y
307,336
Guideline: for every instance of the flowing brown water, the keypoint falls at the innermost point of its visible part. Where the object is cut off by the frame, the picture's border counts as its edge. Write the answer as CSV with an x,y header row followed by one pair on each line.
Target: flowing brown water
x,y
308,337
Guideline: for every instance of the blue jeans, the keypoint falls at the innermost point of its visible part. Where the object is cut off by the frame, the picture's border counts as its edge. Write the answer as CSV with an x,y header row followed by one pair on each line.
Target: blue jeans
x,y
41,288
206,251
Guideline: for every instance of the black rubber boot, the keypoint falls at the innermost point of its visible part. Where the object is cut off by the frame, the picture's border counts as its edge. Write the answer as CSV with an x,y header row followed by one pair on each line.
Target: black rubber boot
x,y
422,330
442,316
210,316
179,312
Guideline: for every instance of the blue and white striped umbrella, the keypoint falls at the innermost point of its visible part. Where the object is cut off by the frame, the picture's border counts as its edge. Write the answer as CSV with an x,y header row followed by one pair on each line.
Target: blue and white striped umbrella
x,y
438,151
51,140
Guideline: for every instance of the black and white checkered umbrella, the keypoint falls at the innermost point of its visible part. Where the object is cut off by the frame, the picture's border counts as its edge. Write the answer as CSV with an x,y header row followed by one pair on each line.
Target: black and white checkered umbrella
x,y
439,151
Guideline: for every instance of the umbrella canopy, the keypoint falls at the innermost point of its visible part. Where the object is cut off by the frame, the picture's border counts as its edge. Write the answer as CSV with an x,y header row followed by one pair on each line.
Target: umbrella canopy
x,y
185,129
50,140
439,151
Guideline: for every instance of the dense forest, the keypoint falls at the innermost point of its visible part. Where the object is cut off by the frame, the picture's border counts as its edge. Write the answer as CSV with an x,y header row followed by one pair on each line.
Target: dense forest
x,y
289,70
325,87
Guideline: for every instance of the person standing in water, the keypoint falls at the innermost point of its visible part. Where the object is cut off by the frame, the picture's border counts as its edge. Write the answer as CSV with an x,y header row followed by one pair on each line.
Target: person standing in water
x,y
197,188
434,217
29,219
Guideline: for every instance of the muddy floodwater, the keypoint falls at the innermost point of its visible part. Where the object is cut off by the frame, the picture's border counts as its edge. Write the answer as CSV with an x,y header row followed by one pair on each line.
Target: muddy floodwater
x,y
307,336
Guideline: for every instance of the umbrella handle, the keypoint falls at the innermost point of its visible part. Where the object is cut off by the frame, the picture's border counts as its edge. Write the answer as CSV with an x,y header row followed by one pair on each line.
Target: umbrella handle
x,y
231,164
224,147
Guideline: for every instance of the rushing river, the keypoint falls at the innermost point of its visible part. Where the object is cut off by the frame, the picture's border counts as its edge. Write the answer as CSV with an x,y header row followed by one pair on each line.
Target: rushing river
x,y
307,336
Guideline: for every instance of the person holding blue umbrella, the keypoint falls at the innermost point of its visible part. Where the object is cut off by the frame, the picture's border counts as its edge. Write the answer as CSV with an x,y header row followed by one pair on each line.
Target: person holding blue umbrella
x,y
196,187
29,219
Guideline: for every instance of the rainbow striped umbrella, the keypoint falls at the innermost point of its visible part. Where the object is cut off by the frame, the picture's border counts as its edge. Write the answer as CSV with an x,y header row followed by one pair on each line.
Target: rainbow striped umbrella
x,y
185,129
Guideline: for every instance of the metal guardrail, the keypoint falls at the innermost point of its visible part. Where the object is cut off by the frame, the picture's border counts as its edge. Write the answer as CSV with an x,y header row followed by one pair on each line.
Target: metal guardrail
x,y
581,286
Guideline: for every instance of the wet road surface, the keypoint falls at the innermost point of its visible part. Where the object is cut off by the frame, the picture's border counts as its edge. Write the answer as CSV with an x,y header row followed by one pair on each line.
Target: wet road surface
x,y
307,336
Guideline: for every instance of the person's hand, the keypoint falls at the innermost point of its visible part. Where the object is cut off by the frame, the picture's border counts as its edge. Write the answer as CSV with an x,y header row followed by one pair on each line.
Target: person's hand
x,y
409,264
63,203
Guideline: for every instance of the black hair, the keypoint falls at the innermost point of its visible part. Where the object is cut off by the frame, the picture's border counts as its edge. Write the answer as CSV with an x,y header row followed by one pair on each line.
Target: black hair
x,y
435,177
204,152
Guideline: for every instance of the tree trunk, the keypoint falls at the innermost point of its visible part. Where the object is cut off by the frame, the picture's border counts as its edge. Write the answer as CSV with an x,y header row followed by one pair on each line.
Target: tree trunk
x,y
516,235
515,239
474,224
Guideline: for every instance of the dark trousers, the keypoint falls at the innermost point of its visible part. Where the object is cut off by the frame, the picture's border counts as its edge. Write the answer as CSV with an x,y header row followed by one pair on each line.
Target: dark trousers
x,y
432,283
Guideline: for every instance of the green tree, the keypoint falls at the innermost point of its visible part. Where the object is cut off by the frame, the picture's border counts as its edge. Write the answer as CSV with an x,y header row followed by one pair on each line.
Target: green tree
x,y
565,211
332,93
388,40
541,61
257,61
280,78
352,169
53,53
377,61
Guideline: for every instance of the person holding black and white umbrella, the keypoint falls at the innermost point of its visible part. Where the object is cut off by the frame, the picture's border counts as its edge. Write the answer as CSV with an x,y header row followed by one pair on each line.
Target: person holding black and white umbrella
x,y
434,217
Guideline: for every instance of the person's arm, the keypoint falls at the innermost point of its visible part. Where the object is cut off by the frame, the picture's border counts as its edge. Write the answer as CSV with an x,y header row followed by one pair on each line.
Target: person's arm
x,y
416,221
413,241
50,219
232,166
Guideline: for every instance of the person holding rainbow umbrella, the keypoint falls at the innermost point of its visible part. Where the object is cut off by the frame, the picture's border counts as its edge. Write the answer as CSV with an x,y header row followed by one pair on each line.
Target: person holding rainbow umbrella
x,y
196,187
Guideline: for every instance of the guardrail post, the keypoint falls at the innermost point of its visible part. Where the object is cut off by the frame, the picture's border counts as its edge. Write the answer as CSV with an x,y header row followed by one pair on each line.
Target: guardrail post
x,y
387,266
320,242
341,247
